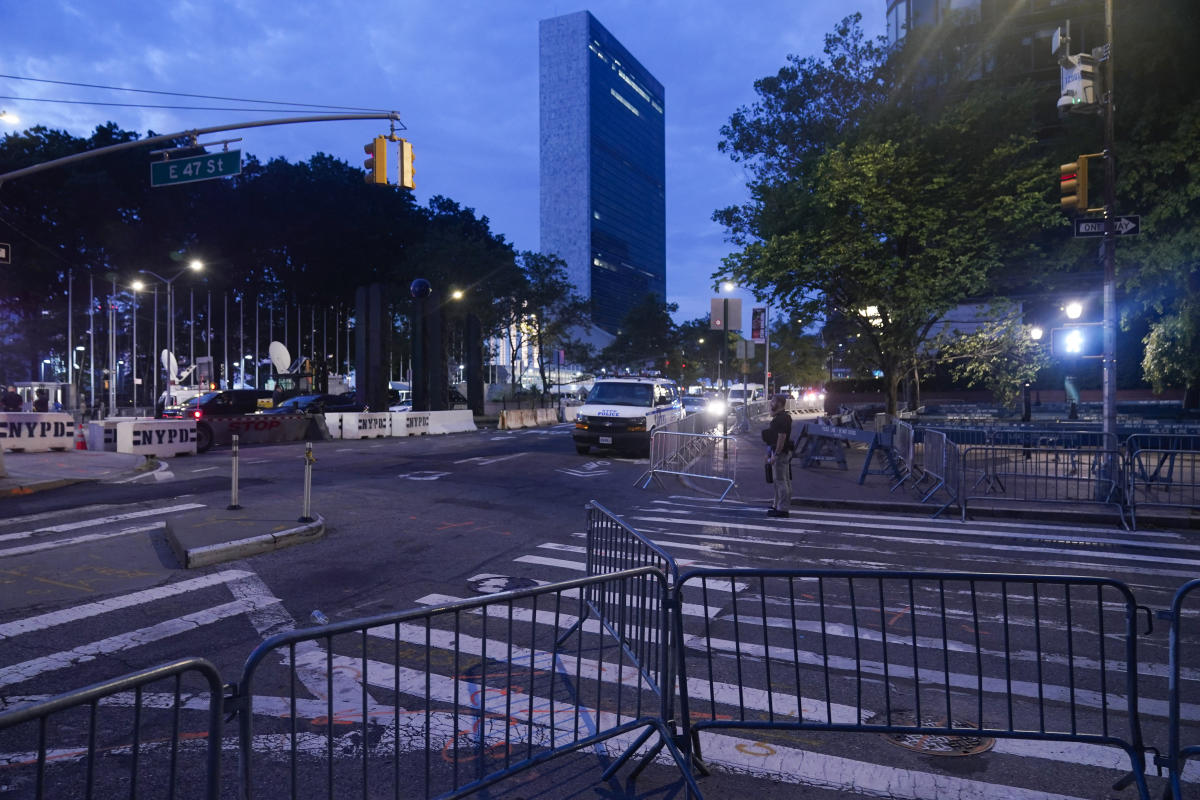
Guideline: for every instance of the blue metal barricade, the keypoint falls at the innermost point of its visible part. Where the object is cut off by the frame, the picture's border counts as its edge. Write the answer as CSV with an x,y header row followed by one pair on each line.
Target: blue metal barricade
x,y
926,654
1163,471
1021,474
1180,749
445,701
125,737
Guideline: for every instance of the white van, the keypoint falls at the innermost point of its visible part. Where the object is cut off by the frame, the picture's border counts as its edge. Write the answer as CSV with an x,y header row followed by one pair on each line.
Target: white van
x,y
622,413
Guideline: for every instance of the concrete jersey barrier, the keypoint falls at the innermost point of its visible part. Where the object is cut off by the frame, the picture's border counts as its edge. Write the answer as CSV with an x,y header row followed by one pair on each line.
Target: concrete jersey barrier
x,y
163,438
33,432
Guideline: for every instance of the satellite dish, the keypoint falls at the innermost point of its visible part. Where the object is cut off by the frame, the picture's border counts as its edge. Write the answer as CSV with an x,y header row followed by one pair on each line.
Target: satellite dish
x,y
170,365
281,359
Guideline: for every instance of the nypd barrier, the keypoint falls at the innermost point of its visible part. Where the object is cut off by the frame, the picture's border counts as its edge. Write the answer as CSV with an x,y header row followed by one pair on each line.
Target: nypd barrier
x,y
163,438
32,432
368,425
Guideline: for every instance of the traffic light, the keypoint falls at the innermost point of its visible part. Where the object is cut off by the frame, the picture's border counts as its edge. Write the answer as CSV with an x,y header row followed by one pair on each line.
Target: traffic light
x,y
407,172
376,162
1073,185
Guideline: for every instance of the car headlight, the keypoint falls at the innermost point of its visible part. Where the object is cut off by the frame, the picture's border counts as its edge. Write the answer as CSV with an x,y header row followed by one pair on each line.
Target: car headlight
x,y
637,424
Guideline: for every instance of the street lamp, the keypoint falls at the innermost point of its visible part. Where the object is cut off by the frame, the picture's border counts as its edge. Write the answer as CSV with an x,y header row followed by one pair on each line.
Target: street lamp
x,y
194,266
137,286
1073,310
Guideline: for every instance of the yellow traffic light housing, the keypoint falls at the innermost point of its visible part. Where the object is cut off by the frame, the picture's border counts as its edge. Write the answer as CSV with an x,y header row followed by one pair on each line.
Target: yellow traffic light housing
x,y
376,162
1073,185
407,172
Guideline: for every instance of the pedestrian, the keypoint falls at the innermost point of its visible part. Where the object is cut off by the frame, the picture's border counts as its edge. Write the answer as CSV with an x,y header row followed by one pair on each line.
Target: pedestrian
x,y
10,401
41,401
778,437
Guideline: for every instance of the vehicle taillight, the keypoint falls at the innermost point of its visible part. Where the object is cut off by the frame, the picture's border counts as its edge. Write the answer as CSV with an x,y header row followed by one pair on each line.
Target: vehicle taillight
x,y
196,414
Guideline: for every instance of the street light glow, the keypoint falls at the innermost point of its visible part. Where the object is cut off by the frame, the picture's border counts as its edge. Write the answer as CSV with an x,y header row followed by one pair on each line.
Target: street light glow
x,y
457,294
1035,333
1074,310
728,286
137,286
196,265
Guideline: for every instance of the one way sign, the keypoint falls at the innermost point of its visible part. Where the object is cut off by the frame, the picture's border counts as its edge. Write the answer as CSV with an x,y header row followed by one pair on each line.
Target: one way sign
x,y
1124,226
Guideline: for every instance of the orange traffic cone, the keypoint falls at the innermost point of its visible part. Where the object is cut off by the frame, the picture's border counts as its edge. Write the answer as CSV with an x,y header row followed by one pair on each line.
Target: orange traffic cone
x,y
80,442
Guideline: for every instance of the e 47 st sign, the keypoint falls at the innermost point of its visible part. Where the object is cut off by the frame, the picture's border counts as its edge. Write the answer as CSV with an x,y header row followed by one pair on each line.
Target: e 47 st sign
x,y
196,168
1129,225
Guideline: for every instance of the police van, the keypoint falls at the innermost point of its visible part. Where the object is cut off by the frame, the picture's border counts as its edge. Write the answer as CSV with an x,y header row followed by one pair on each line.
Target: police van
x,y
622,413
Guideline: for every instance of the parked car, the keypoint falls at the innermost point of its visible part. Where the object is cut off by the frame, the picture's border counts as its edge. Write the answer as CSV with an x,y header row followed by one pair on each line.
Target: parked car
x,y
318,404
225,402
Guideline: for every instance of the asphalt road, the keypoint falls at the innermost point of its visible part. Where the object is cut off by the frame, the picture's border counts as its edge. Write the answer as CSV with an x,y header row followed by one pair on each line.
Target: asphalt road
x,y
418,522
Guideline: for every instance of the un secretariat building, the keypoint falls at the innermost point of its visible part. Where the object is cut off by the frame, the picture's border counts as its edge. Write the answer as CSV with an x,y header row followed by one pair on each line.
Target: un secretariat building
x,y
603,166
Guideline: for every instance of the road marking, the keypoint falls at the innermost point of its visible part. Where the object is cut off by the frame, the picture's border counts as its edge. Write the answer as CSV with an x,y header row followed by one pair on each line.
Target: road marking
x,y
482,460
88,610
32,668
204,469
91,523
88,537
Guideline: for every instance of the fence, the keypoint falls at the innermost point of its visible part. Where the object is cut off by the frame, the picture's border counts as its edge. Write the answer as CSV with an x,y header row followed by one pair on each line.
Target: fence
x,y
463,694
702,456
1178,752
1041,475
879,652
118,739
1163,471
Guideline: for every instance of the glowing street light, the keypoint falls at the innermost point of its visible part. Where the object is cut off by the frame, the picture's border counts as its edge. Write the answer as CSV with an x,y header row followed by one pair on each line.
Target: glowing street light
x,y
1036,333
194,266
1074,310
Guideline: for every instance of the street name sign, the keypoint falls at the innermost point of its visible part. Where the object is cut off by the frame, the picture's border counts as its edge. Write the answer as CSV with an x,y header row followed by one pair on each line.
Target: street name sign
x,y
1129,225
196,168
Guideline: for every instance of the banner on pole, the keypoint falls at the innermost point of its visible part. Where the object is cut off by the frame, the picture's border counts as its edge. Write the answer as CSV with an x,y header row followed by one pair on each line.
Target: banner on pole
x,y
758,325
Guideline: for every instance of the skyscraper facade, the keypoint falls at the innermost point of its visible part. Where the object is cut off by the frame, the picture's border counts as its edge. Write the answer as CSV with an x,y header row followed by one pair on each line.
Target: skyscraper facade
x,y
603,166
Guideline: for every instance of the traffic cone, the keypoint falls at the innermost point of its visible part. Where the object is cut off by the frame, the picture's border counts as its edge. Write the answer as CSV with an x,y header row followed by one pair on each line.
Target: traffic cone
x,y
80,442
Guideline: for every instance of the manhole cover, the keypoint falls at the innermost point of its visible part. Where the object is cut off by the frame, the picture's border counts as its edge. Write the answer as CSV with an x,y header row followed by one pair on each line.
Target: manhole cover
x,y
939,744
491,584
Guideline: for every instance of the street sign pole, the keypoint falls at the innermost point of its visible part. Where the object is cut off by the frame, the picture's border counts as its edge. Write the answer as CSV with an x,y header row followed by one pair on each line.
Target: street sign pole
x,y
1110,241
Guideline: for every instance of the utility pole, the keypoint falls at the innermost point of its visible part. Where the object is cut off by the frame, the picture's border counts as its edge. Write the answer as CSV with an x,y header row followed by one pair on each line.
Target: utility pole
x,y
1110,234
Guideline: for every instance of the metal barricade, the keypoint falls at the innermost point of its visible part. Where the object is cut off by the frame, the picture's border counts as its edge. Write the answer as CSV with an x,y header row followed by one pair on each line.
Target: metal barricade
x,y
692,455
614,546
904,447
121,737
915,655
1004,473
1179,751
444,701
1163,471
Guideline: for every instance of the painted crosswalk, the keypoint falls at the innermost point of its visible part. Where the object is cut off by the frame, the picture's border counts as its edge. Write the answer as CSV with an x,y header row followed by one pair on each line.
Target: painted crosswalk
x,y
386,675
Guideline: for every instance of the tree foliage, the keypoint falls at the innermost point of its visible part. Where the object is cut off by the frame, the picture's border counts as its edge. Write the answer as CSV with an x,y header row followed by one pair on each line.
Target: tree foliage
x,y
880,196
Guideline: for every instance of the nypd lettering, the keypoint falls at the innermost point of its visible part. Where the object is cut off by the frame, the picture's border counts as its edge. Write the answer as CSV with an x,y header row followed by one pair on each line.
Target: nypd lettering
x,y
36,433
161,438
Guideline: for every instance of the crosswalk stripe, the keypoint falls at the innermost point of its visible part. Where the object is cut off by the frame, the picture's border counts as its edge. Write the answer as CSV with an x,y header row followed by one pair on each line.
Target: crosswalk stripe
x,y
96,521
27,670
9,552
88,610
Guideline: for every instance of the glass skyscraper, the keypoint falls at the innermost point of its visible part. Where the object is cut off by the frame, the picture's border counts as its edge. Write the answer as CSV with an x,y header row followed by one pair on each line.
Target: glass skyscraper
x,y
603,166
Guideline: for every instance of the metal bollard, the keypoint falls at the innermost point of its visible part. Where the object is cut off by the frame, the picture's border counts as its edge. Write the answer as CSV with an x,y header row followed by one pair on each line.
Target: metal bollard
x,y
233,499
309,459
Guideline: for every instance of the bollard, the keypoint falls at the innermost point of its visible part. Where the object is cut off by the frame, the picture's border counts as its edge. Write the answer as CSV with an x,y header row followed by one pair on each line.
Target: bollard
x,y
306,516
233,499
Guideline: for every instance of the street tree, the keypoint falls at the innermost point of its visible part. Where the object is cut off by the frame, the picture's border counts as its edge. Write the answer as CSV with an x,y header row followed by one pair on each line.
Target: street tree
x,y
647,336
999,355
882,193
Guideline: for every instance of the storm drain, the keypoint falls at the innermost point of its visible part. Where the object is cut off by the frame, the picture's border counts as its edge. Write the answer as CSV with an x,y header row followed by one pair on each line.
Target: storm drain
x,y
939,744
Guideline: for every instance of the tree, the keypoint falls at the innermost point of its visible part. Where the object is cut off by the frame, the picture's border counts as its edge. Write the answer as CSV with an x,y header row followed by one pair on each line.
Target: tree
x,y
1158,176
647,336
999,356
880,195
551,308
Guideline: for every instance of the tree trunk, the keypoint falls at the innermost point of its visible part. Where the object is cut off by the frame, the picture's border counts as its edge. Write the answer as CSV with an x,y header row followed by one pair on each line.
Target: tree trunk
x,y
892,379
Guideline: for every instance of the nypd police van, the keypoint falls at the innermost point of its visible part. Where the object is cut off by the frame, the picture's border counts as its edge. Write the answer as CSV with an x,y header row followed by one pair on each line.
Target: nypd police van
x,y
622,413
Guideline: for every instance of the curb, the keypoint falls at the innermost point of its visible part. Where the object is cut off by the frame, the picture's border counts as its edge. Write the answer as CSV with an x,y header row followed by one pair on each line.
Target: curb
x,y
206,555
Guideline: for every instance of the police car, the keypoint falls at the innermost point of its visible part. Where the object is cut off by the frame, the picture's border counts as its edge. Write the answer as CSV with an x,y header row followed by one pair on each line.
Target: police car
x,y
622,413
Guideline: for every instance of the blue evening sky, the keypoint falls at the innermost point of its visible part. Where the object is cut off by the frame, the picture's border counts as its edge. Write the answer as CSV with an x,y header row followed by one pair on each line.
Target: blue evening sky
x,y
463,74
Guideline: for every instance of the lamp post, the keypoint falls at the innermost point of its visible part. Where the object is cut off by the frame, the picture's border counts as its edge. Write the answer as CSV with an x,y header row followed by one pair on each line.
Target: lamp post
x,y
137,286
194,266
